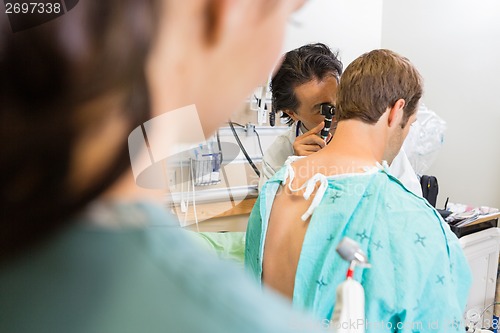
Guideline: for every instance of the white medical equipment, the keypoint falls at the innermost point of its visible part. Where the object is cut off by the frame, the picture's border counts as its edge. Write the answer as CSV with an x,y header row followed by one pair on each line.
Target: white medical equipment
x,y
349,314
482,250
425,139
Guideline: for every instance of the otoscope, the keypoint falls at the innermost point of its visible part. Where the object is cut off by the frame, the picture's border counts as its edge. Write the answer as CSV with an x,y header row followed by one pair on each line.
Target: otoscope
x,y
349,312
328,111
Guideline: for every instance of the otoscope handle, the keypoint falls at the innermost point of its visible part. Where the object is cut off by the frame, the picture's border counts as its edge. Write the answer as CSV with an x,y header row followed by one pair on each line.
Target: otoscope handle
x,y
328,111
326,128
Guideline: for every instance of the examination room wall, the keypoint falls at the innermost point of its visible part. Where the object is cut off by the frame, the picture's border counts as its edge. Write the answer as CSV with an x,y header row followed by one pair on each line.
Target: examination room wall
x,y
456,46
333,23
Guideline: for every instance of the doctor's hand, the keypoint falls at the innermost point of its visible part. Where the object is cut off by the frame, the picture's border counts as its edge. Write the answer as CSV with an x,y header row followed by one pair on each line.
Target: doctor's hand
x,y
310,142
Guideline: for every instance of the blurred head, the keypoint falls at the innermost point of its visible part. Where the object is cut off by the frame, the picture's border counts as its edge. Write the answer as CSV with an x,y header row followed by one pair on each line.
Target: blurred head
x,y
63,83
216,60
307,78
72,90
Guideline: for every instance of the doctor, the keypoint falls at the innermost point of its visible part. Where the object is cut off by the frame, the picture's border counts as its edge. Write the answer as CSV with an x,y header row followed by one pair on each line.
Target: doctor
x,y
307,78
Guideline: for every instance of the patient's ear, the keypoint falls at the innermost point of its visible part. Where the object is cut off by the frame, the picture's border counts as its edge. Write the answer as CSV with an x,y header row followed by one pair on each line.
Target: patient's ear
x,y
396,113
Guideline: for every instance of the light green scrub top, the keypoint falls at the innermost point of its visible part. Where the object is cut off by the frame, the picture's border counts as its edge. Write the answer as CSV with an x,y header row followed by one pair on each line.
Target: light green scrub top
x,y
144,275
226,245
419,280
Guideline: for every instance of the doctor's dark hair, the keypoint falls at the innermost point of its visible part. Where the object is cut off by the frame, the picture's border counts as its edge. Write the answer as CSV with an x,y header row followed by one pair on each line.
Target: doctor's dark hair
x,y
308,62
55,79
375,81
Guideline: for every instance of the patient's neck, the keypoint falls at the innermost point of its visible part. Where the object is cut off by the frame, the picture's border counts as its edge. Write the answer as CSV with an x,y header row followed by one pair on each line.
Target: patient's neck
x,y
354,147
357,140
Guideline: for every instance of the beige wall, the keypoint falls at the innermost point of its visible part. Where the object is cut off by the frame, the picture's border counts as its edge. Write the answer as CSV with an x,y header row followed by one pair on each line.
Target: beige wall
x,y
351,26
455,44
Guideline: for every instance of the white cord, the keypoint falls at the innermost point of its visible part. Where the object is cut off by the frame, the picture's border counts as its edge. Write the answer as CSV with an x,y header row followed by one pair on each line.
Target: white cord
x,y
481,315
184,204
194,199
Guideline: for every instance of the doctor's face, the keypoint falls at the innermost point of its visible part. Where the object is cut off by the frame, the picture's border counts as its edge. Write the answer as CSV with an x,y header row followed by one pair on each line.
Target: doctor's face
x,y
310,96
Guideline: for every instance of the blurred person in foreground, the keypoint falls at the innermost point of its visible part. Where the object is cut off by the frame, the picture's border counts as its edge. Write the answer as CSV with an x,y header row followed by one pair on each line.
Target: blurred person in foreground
x,y
82,249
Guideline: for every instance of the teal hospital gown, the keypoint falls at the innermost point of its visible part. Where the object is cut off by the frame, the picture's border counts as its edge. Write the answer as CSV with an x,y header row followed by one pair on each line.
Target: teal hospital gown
x,y
142,275
419,279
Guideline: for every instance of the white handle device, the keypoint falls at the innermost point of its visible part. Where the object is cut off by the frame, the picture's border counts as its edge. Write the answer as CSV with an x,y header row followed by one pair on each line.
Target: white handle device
x,y
349,313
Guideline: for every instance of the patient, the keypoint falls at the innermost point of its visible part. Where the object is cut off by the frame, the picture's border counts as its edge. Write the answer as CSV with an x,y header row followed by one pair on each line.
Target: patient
x,y
419,275
307,78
